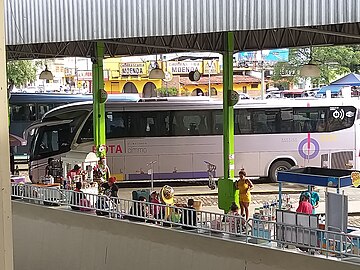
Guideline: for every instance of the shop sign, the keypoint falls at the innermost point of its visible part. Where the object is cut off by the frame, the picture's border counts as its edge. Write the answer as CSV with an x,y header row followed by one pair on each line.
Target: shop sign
x,y
183,67
211,66
84,75
132,68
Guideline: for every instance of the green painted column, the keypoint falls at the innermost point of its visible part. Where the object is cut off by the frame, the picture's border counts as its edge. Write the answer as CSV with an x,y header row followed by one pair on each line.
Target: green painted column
x,y
102,124
96,101
226,187
99,106
228,138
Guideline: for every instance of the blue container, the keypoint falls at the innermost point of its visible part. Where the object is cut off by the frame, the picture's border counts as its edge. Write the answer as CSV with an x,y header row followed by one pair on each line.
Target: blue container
x,y
317,177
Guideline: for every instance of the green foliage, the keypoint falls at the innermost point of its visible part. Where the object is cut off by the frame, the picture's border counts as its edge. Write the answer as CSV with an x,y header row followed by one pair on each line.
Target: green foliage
x,y
21,72
333,61
167,92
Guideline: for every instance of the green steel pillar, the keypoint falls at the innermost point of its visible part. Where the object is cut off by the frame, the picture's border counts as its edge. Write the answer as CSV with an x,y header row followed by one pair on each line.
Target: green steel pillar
x,y
228,138
227,192
99,106
96,101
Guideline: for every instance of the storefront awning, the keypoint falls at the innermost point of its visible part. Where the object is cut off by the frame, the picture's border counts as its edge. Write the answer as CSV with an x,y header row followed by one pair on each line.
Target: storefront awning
x,y
335,89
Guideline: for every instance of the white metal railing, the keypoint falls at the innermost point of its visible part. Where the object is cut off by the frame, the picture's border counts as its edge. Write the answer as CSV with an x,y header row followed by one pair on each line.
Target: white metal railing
x,y
258,231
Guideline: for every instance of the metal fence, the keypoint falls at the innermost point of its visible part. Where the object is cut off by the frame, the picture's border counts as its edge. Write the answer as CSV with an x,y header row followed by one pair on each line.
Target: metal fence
x,y
262,230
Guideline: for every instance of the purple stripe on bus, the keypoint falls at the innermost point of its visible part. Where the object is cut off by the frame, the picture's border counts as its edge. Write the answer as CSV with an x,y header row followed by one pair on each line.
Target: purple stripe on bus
x,y
164,176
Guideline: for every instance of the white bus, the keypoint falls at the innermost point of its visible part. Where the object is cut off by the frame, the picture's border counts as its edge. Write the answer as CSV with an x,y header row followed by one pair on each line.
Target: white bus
x,y
270,135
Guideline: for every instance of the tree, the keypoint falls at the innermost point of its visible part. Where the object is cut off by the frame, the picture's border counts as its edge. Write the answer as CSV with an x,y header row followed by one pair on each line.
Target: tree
x,y
167,92
333,61
20,73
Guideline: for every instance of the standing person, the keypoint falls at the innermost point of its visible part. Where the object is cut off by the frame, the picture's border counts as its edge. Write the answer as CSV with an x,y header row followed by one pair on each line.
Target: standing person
x,y
305,206
244,186
113,189
189,216
314,198
73,173
155,207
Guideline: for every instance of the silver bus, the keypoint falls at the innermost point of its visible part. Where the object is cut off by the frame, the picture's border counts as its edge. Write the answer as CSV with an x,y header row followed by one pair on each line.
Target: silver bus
x,y
177,136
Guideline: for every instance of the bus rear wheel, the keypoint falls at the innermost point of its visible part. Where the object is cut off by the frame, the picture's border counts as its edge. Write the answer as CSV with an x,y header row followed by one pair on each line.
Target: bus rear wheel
x,y
280,165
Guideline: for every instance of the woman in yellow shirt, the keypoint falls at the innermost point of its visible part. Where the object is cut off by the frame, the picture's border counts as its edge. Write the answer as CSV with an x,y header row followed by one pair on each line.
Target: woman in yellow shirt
x,y
244,186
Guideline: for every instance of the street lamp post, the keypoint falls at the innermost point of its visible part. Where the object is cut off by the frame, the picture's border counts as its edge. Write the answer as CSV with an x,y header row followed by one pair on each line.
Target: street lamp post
x,y
151,172
262,80
209,85
210,64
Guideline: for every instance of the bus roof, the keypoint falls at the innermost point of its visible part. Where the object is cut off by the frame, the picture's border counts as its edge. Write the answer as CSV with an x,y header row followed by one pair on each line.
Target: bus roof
x,y
193,104
64,98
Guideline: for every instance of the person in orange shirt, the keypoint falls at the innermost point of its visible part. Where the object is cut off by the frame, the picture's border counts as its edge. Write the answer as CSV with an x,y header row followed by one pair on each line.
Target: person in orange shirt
x,y
244,186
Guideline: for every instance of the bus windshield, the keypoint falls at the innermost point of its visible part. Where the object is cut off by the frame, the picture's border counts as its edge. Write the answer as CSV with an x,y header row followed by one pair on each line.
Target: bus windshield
x,y
56,139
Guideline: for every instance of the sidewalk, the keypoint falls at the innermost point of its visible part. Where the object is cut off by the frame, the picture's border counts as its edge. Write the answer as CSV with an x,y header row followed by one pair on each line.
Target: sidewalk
x,y
265,190
259,189
353,208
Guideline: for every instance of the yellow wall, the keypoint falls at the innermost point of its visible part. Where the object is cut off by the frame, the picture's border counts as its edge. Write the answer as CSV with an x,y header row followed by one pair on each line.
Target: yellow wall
x,y
116,81
110,86
188,89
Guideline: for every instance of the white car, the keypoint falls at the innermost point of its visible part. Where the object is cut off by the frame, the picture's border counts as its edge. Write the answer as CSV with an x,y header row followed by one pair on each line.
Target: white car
x,y
244,96
32,89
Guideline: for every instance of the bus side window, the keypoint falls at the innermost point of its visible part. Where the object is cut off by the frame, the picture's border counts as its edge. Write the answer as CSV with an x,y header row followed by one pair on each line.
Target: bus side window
x,y
202,126
242,120
18,113
340,118
260,122
150,129
286,121
307,126
179,127
217,122
32,112
42,109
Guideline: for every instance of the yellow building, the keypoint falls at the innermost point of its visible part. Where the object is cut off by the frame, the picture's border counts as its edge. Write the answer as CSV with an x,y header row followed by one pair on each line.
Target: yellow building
x,y
242,83
132,77
129,77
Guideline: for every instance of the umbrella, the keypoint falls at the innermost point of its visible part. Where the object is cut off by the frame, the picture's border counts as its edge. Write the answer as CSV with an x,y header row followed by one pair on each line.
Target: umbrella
x,y
16,140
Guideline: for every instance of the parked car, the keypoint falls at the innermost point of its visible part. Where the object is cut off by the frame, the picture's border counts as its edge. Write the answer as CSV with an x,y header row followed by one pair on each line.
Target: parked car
x,y
244,96
32,89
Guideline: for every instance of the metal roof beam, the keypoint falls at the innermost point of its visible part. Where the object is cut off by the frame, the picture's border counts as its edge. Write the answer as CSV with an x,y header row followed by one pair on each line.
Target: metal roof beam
x,y
327,32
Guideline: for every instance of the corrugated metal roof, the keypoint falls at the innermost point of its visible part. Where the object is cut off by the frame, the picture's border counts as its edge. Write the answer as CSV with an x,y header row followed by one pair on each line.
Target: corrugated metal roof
x,y
41,21
60,28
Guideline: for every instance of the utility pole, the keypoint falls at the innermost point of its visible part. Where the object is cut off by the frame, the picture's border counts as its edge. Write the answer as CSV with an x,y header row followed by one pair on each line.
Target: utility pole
x,y
262,80
209,63
151,172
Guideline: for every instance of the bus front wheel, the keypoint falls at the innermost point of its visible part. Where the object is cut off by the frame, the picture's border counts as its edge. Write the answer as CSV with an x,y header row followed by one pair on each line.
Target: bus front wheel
x,y
280,165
